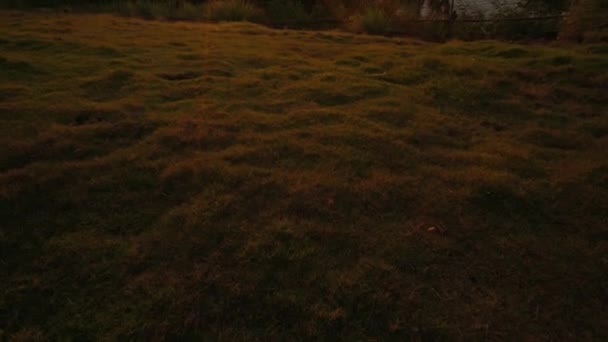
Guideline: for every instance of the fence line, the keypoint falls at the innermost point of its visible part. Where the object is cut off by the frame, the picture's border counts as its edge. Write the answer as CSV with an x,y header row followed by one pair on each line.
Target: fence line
x,y
414,21
549,17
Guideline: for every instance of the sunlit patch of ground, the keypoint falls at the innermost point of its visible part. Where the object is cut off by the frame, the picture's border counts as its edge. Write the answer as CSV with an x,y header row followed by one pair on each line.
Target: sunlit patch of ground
x,y
172,180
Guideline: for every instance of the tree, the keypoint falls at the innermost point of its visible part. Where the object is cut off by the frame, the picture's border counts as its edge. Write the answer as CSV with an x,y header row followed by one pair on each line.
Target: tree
x,y
586,21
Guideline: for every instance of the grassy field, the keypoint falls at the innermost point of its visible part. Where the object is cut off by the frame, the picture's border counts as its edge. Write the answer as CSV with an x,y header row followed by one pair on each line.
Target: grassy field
x,y
228,181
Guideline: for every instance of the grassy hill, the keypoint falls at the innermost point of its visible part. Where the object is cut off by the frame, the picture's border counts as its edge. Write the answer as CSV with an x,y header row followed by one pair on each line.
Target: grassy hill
x,y
178,180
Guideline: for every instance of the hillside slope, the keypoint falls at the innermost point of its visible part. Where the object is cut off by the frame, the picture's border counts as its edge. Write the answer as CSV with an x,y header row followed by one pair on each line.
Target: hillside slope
x,y
171,180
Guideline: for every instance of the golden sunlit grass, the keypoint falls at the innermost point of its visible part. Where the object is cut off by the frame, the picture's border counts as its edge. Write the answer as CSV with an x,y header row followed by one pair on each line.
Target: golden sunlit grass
x,y
229,181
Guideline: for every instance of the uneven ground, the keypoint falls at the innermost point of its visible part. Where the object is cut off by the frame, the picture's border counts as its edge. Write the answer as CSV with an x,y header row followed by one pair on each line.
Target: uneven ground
x,y
164,180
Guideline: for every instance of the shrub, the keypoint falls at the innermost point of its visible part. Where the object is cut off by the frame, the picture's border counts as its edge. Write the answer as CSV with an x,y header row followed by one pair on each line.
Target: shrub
x,y
149,9
376,21
232,10
186,11
287,12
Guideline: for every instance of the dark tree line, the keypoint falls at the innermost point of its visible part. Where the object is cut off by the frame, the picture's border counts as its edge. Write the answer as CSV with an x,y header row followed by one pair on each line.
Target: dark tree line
x,y
437,6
